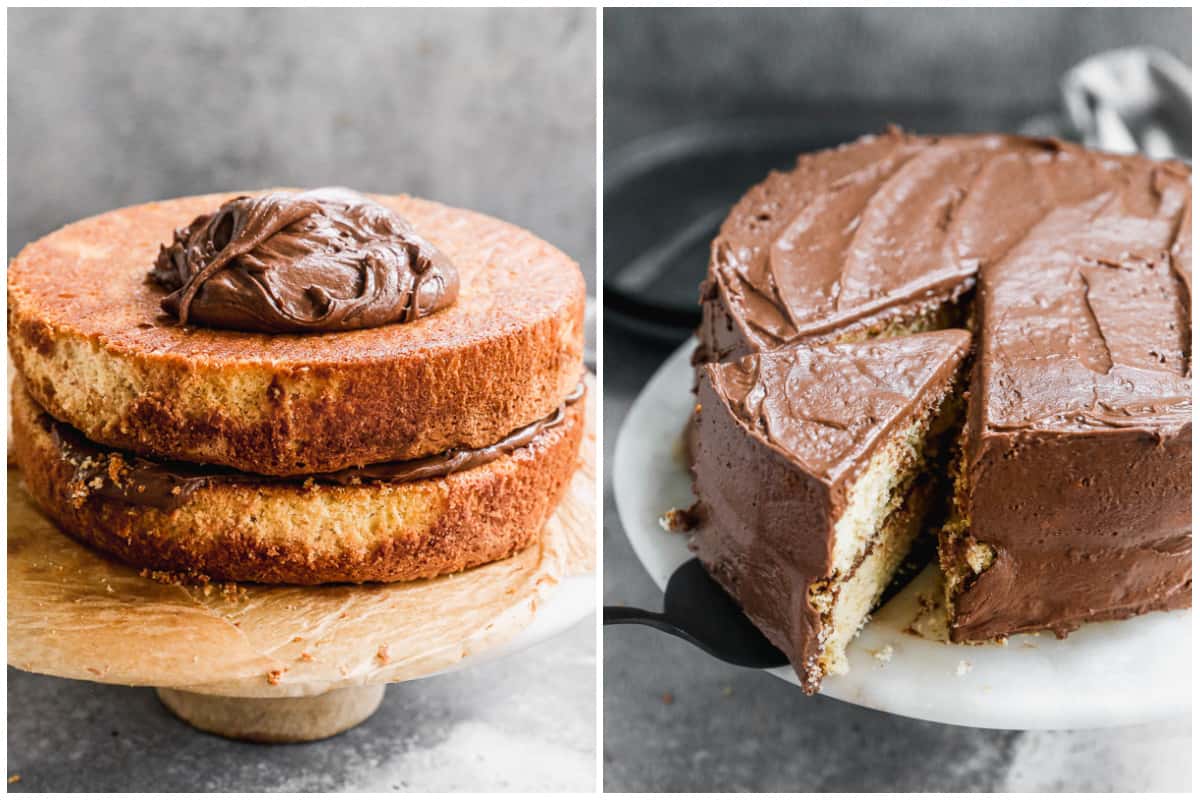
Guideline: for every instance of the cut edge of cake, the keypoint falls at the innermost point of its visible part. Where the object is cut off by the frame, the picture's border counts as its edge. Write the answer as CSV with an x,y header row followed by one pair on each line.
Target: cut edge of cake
x,y
890,506
871,517
961,557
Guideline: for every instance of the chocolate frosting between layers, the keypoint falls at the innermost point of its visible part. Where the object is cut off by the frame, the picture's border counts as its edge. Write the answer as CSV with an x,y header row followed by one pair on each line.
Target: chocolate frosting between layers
x,y
167,485
284,262
779,439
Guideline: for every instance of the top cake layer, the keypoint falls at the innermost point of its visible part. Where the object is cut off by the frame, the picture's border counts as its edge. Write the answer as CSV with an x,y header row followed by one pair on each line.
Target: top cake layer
x,y
880,234
88,335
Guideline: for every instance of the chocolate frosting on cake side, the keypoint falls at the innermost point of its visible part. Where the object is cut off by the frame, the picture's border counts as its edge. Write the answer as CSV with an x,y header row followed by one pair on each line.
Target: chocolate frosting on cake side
x,y
779,439
317,261
167,485
1079,433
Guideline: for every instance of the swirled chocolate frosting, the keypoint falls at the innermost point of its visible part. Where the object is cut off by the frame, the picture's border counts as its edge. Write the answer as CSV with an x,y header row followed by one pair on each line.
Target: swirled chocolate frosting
x,y
894,225
286,262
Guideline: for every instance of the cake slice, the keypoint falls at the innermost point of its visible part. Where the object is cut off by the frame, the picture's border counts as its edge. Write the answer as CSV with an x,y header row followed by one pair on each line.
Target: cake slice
x,y
1073,497
811,465
857,242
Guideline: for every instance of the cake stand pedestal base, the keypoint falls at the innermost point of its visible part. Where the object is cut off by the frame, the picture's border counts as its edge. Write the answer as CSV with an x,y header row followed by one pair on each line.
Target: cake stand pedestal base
x,y
275,719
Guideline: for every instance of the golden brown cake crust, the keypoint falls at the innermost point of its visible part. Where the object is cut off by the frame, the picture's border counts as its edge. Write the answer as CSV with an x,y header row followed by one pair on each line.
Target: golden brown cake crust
x,y
286,533
87,333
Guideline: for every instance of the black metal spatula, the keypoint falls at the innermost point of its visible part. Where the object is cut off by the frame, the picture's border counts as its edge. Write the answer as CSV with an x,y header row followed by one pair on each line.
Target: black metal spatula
x,y
697,610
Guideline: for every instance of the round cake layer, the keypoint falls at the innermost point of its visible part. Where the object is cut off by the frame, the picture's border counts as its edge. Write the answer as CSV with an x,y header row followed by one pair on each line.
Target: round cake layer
x,y
88,335
309,532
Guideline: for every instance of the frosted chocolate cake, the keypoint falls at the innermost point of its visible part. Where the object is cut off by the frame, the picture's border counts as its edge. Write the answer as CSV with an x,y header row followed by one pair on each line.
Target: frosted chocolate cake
x,y
1071,484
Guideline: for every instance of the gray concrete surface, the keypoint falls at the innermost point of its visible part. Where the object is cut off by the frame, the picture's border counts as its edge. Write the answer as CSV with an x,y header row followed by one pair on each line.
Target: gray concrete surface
x,y
490,109
675,719
524,723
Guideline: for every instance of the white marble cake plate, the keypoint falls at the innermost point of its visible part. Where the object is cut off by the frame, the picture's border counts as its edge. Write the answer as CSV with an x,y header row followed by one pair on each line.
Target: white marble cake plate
x,y
1105,674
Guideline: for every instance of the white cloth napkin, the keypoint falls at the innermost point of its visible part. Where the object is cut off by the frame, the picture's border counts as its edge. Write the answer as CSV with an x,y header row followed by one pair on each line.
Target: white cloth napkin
x,y
1137,99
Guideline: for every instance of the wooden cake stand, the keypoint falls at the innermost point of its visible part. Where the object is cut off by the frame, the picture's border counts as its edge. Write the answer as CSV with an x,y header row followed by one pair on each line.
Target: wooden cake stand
x,y
273,663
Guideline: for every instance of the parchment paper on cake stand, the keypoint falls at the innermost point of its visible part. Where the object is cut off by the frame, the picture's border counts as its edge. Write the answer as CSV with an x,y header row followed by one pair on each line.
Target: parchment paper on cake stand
x,y
1105,674
285,663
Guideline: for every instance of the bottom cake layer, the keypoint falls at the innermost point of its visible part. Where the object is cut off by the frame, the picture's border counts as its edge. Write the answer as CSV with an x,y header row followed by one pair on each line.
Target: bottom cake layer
x,y
245,528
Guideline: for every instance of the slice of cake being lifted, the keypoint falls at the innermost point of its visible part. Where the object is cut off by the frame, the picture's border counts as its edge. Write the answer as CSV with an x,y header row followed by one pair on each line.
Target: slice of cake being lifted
x,y
811,468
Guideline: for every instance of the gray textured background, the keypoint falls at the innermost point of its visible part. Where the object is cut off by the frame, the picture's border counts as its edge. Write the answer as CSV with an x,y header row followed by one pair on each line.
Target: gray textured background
x,y
663,67
492,110
674,718
488,109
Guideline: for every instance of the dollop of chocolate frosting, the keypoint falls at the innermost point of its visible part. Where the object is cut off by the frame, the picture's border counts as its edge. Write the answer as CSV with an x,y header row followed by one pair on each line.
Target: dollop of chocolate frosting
x,y
286,262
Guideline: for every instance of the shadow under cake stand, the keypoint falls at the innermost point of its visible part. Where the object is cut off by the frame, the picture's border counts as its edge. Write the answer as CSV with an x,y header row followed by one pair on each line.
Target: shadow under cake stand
x,y
285,663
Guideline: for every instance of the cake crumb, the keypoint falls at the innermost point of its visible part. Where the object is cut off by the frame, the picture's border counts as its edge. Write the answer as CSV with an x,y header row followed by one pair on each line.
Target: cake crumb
x,y
963,668
14,778
677,520
114,470
668,698
884,654
181,579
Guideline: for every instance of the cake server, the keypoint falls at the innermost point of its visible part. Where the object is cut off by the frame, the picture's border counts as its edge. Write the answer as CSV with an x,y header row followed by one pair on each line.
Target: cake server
x,y
697,610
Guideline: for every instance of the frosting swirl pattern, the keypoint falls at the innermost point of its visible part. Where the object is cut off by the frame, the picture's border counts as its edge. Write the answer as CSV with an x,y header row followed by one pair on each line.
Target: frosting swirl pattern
x,y
286,262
